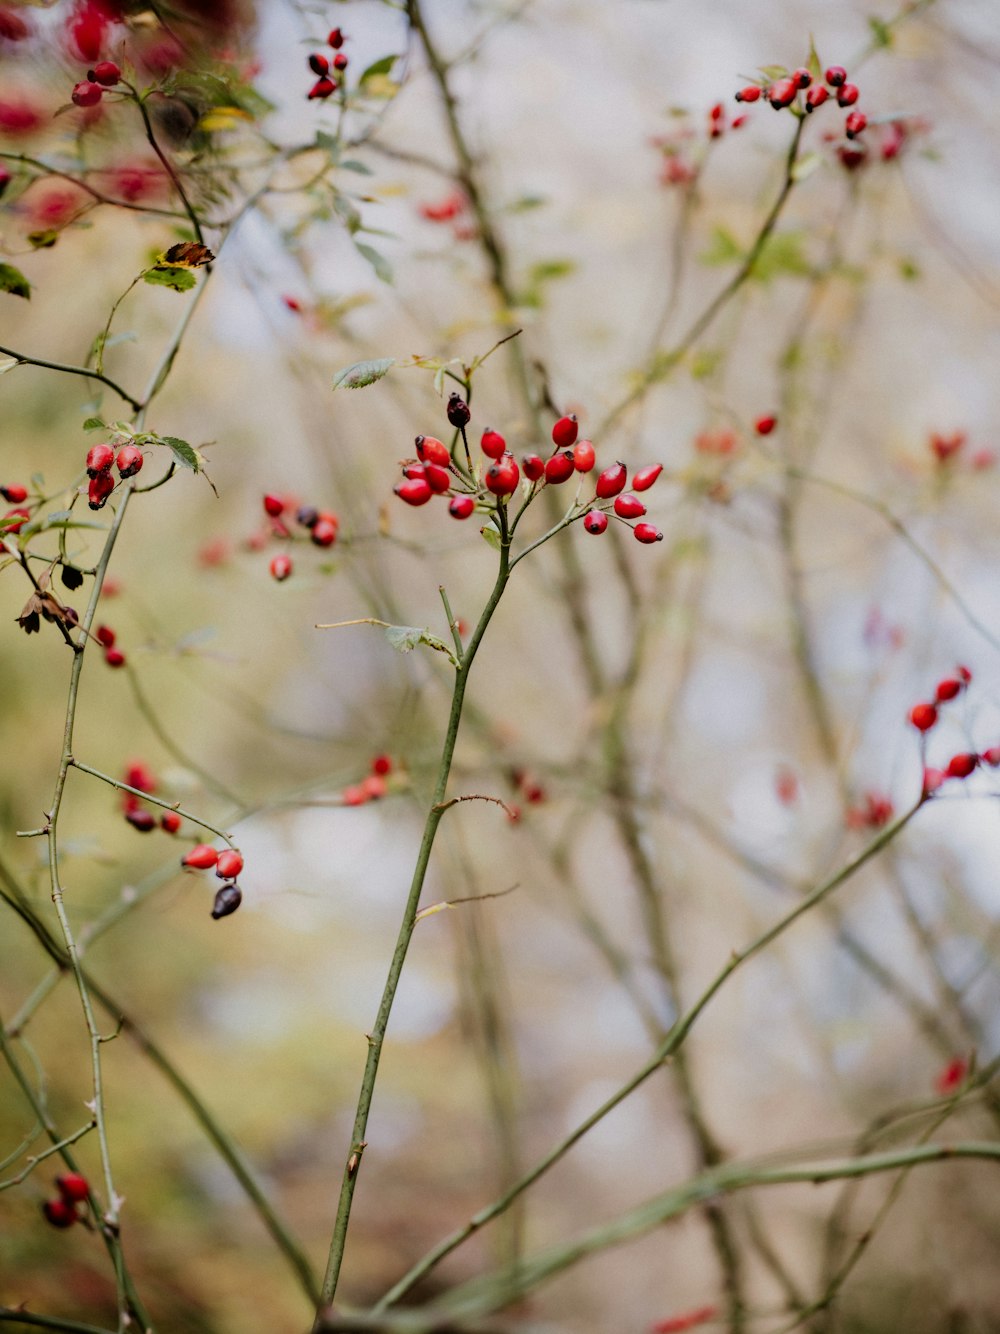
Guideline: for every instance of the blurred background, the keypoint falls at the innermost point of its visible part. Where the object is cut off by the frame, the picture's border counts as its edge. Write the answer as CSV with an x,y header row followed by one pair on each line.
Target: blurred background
x,y
693,734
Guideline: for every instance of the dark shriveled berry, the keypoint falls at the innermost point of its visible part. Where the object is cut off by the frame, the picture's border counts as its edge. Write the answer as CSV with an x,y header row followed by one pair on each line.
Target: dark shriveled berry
x,y
227,900
458,411
72,578
142,820
307,516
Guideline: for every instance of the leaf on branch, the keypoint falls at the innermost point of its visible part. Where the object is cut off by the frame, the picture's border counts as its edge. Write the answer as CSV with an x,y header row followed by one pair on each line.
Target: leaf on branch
x,y
492,536
382,267
13,281
363,373
186,455
806,165
814,64
185,255
95,424
49,608
179,280
405,638
378,68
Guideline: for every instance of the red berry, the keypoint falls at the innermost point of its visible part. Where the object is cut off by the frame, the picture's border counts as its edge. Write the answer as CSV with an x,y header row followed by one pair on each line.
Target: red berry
x,y
835,76
14,493
493,444
848,94
595,521
533,467
319,64
933,778
335,39
960,766
564,432
856,122
782,93
141,819
106,72
502,477
323,533
438,478
202,857
414,471
229,865
584,455
129,460
923,717
99,459
802,77
416,491
86,94
114,657
73,1187
321,89
559,467
629,507
749,94
963,673
381,764
461,507
280,567
611,481
374,786
815,97
947,689
354,796
170,822
227,900
274,506
765,425
431,450
106,637
21,517
340,61
99,489
59,1213
991,756
647,532
645,477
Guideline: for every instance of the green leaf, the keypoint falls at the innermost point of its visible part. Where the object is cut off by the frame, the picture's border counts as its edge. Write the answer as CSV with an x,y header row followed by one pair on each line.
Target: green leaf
x,y
547,269
352,164
722,249
95,424
814,64
363,373
806,165
379,67
179,280
186,455
881,32
783,254
773,72
405,638
13,281
491,535
382,267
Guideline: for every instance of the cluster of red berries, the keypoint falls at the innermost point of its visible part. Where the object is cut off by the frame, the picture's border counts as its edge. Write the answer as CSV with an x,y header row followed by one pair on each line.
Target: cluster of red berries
x,y
946,449
89,91
874,812
139,816
924,717
228,864
128,461
372,787
113,655
62,1211
322,526
321,65
434,472
14,520
784,92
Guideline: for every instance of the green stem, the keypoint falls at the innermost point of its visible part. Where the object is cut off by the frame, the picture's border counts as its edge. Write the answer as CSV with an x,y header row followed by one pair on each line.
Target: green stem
x,y
376,1038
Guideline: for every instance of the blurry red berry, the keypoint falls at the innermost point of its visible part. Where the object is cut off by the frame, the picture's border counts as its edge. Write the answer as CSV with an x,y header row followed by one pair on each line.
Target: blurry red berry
x,y
319,64
86,94
765,425
381,764
340,61
595,521
835,76
923,717
20,517
114,657
847,94
559,467
59,1213
647,532
503,476
374,786
963,673
227,900
229,865
105,636
782,93
202,857
431,450
749,94
629,507
274,506
611,481
354,795
947,689
416,491
960,766
855,123
802,77
307,516
73,1187
141,819
645,477
99,459
106,73
13,27
170,822
564,432
952,1077
533,466
335,39
991,756
415,471
321,89
815,97
493,444
280,567
584,455
460,507
438,478
14,493
933,778
323,533
129,460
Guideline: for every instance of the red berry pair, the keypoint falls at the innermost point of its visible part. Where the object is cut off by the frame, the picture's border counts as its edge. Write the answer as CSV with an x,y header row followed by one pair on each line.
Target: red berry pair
x,y
73,1190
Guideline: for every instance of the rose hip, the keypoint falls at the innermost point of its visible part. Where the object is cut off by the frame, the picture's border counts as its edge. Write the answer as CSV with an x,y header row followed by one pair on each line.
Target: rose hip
x,y
564,432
